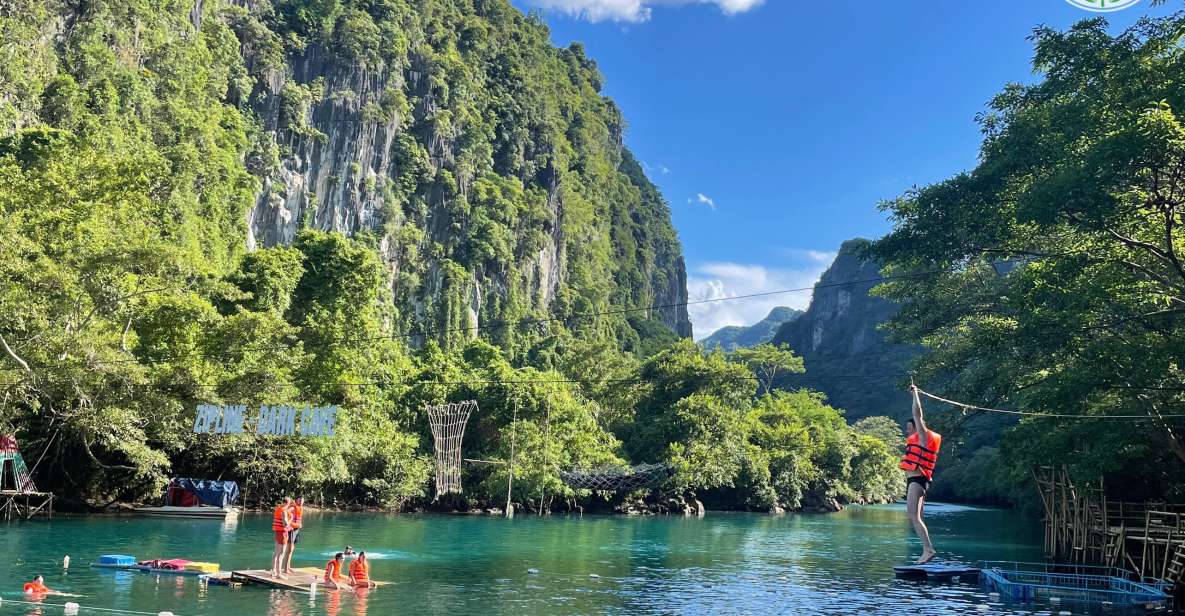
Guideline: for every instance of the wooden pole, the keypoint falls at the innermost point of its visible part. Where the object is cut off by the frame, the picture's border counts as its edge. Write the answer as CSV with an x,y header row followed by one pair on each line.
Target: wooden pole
x,y
510,474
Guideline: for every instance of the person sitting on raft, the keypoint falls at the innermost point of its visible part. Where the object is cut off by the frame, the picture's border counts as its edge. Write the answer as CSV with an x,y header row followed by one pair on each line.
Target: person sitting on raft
x,y
333,573
360,572
38,587
349,551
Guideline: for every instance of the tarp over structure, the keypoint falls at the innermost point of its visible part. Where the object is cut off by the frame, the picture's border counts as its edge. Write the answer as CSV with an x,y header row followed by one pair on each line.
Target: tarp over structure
x,y
207,492
14,474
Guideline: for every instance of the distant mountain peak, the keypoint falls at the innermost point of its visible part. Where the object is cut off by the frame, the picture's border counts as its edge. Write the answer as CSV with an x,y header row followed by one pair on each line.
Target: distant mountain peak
x,y
733,337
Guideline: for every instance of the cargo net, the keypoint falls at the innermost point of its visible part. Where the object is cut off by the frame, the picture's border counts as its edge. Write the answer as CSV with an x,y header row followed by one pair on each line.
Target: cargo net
x,y
618,479
448,428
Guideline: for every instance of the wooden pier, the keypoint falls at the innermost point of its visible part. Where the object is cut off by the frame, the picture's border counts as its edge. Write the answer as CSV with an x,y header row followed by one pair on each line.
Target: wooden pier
x,y
1083,526
23,505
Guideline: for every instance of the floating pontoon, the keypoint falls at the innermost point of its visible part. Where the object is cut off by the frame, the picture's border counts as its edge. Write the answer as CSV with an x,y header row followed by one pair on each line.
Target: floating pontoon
x,y
197,498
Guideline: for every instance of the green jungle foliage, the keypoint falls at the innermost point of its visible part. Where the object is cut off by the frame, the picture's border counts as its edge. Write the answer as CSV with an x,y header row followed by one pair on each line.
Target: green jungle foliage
x,y
1065,290
134,140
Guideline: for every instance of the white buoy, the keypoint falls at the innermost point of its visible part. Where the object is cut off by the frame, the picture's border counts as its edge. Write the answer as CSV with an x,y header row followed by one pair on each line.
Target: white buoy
x,y
594,576
165,614
66,562
71,607
533,571
1064,613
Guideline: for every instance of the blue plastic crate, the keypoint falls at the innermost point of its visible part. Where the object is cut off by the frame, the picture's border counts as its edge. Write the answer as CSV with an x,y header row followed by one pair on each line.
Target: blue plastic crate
x,y
117,559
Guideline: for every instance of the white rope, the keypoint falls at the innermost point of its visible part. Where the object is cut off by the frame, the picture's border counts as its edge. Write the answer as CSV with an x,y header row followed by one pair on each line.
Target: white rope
x,y
448,430
80,607
972,407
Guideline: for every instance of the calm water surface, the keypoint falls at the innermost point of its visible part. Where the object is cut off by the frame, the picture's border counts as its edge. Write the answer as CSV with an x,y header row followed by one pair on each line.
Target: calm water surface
x,y
720,564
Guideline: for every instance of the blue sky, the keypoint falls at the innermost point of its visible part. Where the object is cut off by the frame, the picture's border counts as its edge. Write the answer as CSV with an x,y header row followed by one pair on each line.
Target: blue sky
x,y
775,127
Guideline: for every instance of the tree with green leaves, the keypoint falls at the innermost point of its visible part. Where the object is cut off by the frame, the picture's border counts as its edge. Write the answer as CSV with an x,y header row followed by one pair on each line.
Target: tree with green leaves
x,y
769,362
1053,270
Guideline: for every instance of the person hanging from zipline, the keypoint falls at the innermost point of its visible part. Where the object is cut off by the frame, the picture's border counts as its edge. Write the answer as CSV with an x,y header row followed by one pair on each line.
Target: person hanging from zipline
x,y
921,453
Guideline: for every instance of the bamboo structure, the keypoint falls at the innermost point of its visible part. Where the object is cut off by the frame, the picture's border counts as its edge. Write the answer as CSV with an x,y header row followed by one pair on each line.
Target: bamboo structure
x,y
19,497
1083,526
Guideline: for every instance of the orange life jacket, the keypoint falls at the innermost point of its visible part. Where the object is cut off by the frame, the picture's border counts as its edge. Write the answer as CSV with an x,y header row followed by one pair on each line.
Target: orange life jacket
x,y
921,458
34,587
297,514
333,569
278,522
359,570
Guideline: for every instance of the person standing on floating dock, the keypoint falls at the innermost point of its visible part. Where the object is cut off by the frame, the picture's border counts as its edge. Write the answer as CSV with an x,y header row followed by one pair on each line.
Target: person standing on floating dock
x,y
297,511
921,453
281,524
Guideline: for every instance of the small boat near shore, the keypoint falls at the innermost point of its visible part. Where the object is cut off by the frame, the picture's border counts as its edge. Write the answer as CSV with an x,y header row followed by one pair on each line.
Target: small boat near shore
x,y
196,498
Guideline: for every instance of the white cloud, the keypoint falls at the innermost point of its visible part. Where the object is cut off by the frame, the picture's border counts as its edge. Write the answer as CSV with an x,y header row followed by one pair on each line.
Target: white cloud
x,y
664,169
704,199
633,10
719,280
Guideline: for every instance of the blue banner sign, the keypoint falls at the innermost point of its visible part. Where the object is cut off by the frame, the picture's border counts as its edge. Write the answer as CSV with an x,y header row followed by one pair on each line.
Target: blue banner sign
x,y
278,420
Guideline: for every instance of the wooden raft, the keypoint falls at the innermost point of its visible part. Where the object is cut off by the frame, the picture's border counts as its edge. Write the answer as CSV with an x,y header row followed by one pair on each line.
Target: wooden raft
x,y
299,580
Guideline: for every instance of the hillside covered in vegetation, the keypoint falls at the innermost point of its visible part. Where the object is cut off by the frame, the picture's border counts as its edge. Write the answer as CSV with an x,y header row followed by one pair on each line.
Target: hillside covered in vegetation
x,y
374,204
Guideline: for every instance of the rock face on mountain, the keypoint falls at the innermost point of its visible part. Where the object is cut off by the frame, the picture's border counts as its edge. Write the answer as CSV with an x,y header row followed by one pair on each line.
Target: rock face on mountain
x,y
846,354
481,161
734,337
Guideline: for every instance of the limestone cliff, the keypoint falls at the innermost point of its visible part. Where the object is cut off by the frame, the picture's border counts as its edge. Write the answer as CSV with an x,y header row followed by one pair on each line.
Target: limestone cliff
x,y
847,355
480,161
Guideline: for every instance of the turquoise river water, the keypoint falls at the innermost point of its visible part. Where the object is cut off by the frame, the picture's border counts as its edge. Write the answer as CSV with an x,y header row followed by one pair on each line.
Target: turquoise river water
x,y
720,564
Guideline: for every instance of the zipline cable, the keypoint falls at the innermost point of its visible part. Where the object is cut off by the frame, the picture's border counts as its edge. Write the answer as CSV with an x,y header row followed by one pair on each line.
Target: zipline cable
x,y
972,407
549,319
110,610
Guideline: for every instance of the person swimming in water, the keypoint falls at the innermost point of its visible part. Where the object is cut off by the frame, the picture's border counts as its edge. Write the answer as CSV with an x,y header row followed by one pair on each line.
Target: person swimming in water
x,y
37,587
921,453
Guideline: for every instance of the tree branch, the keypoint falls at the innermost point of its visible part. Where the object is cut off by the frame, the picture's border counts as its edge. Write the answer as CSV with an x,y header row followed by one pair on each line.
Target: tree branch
x,y
13,355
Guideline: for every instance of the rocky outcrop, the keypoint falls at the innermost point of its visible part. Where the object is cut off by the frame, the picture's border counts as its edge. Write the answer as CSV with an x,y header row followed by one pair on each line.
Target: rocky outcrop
x,y
846,353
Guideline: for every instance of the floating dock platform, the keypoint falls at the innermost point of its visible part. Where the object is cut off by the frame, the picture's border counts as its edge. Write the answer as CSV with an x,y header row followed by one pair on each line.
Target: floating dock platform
x,y
300,580
938,572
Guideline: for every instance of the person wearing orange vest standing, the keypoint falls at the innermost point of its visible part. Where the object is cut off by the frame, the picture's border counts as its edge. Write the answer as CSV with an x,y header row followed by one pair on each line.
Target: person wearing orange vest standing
x,y
281,524
921,453
360,572
297,510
